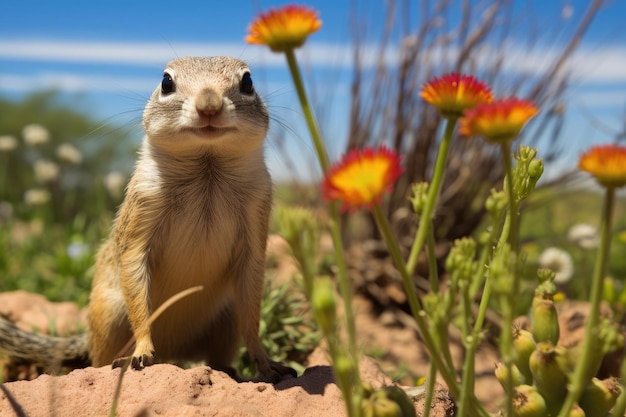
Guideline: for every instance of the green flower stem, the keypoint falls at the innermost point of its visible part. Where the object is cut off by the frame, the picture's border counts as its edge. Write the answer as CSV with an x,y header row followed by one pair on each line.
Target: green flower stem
x,y
506,337
433,193
467,387
476,409
513,206
353,400
430,388
318,142
414,303
478,280
590,347
433,274
467,383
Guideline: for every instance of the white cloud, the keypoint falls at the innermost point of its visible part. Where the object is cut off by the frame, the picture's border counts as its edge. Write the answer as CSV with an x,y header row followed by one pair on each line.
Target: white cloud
x,y
603,65
123,53
72,82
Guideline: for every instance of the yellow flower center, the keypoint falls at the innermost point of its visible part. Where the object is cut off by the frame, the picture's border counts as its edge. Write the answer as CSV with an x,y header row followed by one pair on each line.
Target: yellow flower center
x,y
365,178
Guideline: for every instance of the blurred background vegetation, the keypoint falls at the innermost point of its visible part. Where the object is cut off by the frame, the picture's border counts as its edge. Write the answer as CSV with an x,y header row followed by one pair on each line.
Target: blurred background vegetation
x,y
61,177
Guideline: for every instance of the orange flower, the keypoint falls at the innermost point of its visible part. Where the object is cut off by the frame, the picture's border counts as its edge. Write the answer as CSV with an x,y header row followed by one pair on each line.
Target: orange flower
x,y
453,93
361,177
607,163
284,28
499,121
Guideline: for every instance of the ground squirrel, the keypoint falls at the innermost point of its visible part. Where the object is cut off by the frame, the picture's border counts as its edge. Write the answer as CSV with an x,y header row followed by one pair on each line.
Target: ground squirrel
x,y
196,212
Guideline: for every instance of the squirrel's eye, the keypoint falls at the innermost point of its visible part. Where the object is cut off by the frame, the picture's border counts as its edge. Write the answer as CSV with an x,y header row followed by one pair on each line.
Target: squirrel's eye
x,y
167,85
246,84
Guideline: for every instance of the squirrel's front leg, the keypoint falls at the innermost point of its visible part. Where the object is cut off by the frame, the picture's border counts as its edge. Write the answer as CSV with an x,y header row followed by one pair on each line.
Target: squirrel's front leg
x,y
135,282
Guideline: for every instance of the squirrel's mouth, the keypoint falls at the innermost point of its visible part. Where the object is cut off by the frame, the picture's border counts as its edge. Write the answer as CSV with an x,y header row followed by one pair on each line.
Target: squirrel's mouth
x,y
211,131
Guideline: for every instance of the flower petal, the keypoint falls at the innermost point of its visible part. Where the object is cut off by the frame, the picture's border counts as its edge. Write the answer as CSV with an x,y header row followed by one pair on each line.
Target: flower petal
x,y
607,163
284,28
499,121
361,178
453,93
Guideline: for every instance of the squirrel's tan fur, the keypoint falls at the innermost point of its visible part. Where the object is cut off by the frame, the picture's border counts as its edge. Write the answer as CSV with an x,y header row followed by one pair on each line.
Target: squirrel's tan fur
x,y
196,212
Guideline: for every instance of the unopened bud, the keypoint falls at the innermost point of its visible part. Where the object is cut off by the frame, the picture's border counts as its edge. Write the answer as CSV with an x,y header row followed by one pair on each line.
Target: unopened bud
x,y
344,370
535,169
548,365
502,373
527,402
419,198
496,202
544,321
324,306
611,336
599,396
524,345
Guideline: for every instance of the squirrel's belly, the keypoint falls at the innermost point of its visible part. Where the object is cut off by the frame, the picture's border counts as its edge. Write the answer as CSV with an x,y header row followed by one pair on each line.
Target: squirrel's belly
x,y
190,253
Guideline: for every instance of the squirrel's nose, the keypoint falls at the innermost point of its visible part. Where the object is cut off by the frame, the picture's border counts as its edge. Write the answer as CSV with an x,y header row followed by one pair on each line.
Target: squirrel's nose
x,y
209,102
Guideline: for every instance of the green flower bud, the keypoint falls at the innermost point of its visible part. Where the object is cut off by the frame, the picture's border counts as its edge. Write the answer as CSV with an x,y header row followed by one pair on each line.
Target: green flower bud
x,y
546,288
496,203
460,262
435,309
300,228
527,172
545,274
599,396
324,306
419,198
344,370
544,321
501,373
611,336
548,365
527,402
535,170
524,345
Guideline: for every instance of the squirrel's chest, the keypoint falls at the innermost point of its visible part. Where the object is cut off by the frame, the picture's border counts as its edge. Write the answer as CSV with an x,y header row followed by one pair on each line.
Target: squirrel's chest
x,y
198,236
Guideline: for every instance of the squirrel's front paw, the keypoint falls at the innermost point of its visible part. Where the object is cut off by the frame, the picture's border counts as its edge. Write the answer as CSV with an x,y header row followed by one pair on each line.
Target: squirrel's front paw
x,y
136,362
275,372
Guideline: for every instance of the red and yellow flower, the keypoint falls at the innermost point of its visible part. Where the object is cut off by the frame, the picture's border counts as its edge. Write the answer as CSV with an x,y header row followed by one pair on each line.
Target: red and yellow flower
x,y
361,178
453,93
284,28
498,121
607,163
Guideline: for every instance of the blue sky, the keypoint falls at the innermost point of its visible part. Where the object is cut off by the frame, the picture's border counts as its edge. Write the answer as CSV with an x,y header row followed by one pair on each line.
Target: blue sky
x,y
111,55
